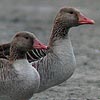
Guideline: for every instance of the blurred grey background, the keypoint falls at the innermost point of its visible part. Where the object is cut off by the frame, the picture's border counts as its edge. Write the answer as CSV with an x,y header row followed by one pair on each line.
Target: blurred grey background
x,y
37,16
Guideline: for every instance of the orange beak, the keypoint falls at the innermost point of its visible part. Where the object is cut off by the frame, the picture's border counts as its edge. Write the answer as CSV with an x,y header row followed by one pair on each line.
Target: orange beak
x,y
85,20
39,45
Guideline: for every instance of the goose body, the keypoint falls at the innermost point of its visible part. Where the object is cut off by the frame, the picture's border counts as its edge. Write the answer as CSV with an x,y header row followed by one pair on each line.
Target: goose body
x,y
19,80
57,66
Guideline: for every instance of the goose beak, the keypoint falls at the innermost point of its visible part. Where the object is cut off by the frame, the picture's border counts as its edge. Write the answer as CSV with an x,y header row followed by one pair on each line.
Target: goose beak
x,y
39,45
85,20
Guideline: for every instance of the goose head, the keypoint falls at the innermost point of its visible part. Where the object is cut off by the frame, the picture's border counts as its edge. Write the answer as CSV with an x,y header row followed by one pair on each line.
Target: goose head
x,y
71,17
25,41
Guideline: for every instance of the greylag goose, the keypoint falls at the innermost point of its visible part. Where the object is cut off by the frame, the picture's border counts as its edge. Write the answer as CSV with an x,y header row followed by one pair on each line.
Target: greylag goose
x,y
59,63
18,79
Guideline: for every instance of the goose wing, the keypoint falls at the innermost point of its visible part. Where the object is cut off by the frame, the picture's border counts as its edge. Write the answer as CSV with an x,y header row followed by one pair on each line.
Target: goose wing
x,y
6,70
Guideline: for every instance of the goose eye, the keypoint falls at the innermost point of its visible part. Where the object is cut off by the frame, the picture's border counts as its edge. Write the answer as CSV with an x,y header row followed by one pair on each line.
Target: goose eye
x,y
27,37
71,12
17,35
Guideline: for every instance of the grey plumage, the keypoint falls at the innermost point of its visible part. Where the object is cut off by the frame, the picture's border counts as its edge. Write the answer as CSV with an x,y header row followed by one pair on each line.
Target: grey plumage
x,y
59,63
18,79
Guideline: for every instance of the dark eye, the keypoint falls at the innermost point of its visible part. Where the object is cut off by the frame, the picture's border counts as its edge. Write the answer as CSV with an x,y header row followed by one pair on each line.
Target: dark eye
x,y
27,37
17,35
71,12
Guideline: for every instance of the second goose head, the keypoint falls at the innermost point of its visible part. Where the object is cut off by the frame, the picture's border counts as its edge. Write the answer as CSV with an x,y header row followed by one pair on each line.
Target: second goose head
x,y
23,42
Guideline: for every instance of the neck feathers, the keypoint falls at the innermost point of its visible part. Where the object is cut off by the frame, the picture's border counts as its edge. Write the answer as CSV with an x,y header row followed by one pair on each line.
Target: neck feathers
x,y
16,54
59,31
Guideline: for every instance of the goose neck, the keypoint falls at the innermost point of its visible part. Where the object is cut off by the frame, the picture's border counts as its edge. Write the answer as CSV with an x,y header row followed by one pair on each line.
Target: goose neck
x,y
16,54
59,31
